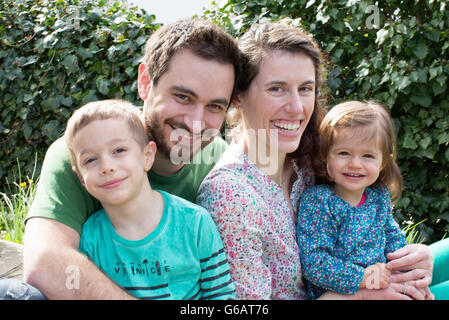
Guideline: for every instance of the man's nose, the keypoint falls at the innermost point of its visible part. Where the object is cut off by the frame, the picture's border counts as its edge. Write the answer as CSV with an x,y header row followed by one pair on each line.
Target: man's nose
x,y
194,120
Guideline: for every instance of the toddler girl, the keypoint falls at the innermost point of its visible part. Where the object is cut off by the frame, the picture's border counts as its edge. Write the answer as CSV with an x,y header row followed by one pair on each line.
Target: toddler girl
x,y
345,226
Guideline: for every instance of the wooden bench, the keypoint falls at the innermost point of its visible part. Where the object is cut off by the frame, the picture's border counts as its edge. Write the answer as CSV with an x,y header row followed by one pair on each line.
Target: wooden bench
x,y
11,260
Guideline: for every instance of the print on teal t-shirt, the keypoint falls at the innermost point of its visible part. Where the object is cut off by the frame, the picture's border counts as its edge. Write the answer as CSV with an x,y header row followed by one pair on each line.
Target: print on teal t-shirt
x,y
183,258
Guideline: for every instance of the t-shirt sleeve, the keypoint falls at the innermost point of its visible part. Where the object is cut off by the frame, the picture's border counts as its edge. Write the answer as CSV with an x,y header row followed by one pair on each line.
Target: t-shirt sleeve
x,y
60,195
215,281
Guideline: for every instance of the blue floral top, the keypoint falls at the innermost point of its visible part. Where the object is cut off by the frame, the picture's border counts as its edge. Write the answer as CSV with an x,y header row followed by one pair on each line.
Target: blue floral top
x,y
338,241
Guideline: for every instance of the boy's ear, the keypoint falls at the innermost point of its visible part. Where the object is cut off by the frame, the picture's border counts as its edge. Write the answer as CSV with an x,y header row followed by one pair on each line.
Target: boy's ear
x,y
143,82
149,152
78,175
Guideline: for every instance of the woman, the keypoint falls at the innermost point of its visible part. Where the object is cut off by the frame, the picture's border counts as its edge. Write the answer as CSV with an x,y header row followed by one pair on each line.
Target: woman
x,y
253,189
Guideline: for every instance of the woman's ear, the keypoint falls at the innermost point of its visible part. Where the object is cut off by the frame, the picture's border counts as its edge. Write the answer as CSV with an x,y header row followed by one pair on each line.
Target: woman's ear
x,y
149,154
236,101
143,82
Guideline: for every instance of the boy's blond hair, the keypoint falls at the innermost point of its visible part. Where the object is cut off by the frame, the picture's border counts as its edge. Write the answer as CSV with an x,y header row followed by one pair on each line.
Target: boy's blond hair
x,y
104,110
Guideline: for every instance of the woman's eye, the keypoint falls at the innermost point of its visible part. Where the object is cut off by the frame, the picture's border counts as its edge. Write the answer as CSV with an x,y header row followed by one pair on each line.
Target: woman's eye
x,y
306,89
276,89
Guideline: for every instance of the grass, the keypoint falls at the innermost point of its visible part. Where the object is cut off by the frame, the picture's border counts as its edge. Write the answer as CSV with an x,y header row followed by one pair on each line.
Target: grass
x,y
14,205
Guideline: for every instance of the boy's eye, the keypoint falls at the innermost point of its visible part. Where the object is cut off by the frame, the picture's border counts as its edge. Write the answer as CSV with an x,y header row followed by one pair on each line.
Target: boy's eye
x,y
89,160
119,150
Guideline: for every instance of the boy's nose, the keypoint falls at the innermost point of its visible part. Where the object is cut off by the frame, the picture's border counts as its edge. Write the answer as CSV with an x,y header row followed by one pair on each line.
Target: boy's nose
x,y
107,167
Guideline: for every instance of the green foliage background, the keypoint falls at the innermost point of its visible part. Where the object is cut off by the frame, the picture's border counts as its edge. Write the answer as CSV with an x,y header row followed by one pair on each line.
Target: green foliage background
x,y
48,68
51,63
402,62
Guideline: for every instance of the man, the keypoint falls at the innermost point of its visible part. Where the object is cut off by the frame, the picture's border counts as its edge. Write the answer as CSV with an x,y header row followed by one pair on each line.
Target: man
x,y
186,82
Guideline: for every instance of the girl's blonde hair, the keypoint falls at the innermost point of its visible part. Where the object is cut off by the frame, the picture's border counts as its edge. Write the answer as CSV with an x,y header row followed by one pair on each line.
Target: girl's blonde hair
x,y
375,121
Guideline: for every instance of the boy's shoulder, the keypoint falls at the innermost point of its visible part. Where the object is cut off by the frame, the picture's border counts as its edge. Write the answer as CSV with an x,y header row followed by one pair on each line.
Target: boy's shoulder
x,y
176,203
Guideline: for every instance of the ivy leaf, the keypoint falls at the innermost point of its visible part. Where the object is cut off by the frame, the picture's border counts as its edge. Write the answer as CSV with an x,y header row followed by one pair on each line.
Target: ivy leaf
x,y
424,143
103,86
409,143
70,63
421,51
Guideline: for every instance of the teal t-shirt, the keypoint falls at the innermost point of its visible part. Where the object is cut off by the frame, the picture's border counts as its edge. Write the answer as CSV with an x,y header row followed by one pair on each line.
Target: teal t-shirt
x,y
183,258
60,195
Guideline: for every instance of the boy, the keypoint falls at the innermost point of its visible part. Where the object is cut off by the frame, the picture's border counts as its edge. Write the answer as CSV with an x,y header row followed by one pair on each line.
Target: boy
x,y
151,243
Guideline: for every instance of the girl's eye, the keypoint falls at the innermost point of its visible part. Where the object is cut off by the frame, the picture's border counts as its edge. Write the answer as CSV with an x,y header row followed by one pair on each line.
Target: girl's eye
x,y
343,153
369,156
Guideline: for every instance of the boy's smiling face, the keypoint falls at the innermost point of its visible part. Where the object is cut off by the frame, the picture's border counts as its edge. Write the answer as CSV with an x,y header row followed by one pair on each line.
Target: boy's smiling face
x,y
111,164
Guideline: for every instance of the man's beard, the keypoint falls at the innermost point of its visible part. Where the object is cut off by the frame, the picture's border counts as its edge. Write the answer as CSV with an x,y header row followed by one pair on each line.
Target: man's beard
x,y
155,128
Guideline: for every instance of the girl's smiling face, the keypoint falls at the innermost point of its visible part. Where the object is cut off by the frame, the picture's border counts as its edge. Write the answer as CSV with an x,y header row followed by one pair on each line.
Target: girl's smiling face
x,y
354,162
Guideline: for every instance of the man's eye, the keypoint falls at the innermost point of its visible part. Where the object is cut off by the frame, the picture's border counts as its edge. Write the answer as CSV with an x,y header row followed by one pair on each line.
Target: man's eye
x,y
182,97
216,107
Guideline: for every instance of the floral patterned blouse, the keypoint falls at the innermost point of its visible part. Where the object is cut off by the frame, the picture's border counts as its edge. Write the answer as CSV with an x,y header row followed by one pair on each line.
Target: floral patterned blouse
x,y
256,226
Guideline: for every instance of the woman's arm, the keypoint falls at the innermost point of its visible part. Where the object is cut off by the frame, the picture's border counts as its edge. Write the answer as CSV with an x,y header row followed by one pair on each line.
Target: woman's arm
x,y
417,262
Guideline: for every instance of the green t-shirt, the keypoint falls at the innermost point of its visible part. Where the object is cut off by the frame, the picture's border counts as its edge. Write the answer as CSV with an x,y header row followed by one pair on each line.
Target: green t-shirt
x,y
183,258
60,195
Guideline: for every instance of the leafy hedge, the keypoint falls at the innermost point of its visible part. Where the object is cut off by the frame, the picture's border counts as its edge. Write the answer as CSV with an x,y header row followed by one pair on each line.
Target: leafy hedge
x,y
55,56
395,52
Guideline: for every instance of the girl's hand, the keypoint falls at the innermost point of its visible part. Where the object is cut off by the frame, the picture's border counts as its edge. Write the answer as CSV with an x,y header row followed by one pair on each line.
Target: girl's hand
x,y
377,276
417,260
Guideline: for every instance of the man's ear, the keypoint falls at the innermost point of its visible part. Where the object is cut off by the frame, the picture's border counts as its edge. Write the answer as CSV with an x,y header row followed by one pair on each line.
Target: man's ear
x,y
143,82
78,175
149,153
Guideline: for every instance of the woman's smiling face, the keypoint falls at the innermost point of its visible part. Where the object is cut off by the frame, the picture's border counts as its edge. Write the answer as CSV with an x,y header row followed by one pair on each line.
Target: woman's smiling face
x,y
281,98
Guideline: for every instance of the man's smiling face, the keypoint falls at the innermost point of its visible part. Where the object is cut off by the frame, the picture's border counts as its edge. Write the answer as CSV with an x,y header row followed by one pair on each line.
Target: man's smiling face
x,y
189,99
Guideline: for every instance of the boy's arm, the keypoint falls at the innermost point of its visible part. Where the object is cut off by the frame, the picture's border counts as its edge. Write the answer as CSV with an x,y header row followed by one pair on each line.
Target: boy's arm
x,y
53,264
215,281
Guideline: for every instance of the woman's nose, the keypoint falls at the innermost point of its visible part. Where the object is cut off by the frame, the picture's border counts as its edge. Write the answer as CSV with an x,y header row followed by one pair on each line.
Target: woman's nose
x,y
295,104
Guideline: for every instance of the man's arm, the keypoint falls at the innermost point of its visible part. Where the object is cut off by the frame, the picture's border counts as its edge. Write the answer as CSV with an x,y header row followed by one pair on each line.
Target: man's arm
x,y
53,264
